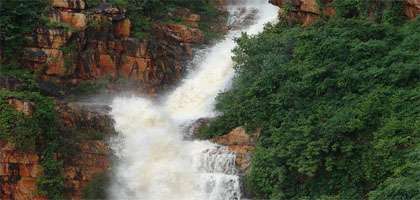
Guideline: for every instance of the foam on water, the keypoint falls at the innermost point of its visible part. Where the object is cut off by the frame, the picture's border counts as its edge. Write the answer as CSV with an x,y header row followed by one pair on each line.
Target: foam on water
x,y
154,160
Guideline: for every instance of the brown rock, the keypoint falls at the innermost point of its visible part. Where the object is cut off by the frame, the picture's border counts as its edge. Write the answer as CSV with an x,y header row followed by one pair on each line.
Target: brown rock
x,y
24,107
186,15
305,18
19,171
18,157
26,187
37,170
134,47
412,10
70,4
86,65
242,144
193,18
50,37
278,3
71,172
181,33
237,136
183,12
107,66
122,28
415,3
309,6
306,11
76,20
241,149
52,60
133,67
25,170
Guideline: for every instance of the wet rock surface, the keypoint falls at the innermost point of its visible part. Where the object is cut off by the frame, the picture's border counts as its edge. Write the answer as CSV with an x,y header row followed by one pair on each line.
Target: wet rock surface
x,y
239,142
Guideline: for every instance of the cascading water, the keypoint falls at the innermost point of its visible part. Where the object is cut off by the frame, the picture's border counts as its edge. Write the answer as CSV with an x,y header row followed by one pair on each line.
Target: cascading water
x,y
154,159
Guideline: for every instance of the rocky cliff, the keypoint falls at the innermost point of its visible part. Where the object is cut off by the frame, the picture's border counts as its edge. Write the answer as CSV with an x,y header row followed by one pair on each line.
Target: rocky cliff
x,y
19,171
80,44
98,44
307,11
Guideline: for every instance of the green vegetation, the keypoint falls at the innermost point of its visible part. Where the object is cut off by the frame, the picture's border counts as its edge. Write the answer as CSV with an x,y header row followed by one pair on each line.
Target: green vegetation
x,y
38,132
17,19
338,105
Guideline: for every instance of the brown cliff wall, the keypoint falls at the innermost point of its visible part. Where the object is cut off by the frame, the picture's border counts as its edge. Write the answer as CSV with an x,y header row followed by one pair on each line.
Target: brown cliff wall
x,y
100,45
97,44
19,171
307,11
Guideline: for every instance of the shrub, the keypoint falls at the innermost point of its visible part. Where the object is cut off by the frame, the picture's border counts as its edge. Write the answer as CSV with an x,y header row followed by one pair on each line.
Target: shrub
x,y
337,104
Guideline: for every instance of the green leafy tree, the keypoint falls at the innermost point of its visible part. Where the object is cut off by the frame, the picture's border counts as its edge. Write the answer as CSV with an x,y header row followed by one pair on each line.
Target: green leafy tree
x,y
337,104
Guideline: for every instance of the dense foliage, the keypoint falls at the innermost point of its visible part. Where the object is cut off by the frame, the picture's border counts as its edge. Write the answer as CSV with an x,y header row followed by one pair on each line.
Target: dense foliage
x,y
338,105
17,19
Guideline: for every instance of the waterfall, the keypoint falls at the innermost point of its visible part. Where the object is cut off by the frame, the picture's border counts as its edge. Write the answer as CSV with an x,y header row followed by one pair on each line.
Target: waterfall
x,y
154,159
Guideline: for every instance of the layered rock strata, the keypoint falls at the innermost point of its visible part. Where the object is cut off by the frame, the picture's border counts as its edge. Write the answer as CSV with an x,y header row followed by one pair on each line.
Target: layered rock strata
x,y
100,45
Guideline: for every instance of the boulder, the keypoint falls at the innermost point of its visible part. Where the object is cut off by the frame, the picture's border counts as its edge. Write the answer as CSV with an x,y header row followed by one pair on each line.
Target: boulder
x,y
239,142
237,136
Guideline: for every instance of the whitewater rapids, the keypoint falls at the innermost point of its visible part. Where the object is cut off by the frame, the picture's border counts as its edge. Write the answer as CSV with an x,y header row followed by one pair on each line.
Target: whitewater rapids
x,y
154,159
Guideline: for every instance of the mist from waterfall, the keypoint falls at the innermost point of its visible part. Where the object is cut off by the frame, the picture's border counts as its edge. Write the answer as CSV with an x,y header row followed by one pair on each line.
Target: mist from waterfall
x,y
154,159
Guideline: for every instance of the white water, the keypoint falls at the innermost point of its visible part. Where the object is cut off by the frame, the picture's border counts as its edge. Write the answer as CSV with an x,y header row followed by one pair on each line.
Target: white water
x,y
155,162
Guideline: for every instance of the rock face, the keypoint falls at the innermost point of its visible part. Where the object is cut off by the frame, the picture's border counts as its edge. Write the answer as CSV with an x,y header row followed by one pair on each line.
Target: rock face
x,y
189,17
242,144
101,45
307,11
412,8
24,107
303,11
19,171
